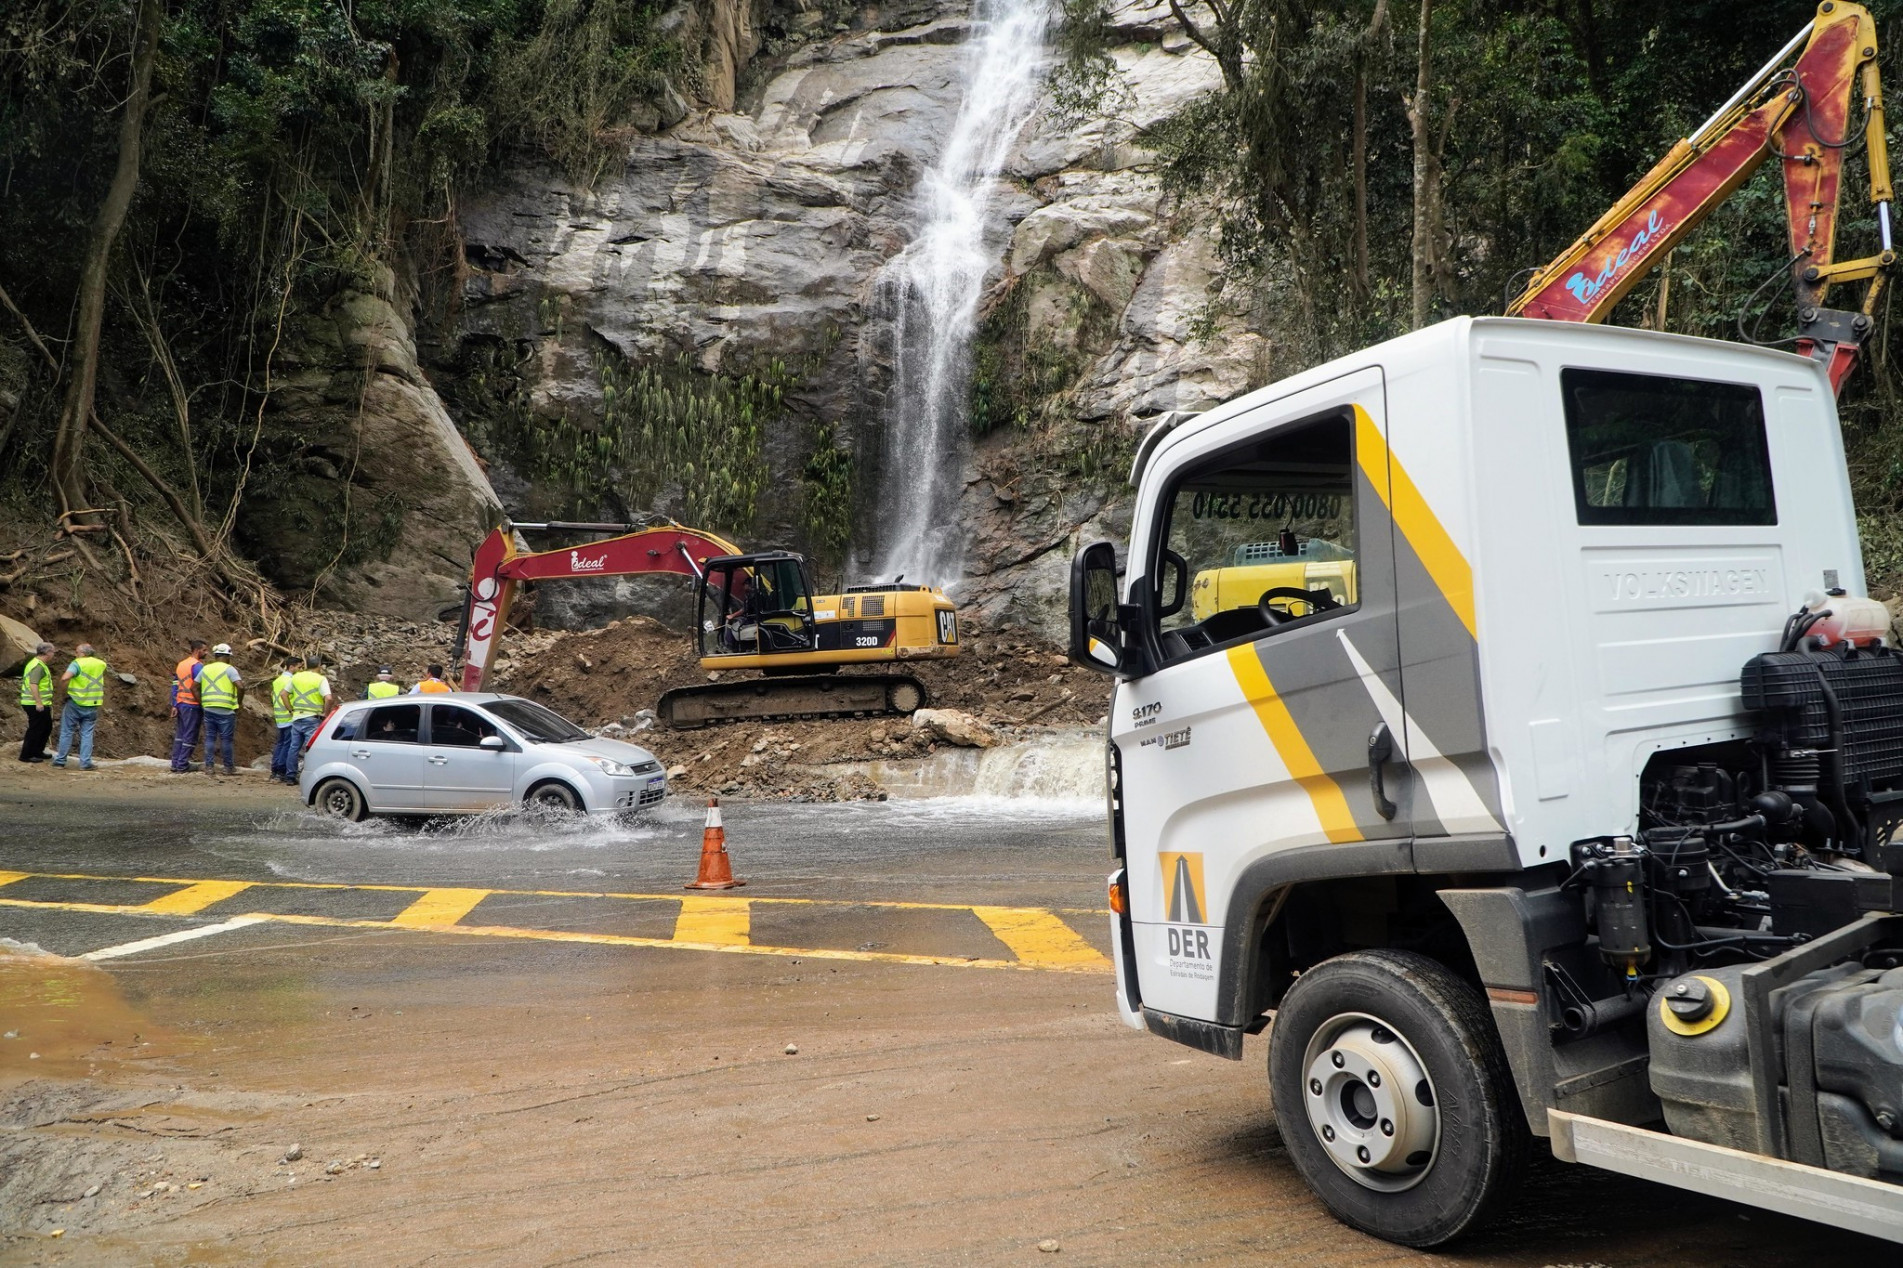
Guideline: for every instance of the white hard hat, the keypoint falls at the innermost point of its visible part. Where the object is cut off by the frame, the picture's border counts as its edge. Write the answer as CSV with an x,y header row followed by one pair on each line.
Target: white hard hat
x,y
222,649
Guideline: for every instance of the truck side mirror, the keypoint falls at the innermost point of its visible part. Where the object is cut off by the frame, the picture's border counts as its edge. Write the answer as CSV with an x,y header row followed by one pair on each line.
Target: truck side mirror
x,y
1096,632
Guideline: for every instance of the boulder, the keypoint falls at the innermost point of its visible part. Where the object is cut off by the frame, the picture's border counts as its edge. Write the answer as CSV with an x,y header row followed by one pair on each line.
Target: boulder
x,y
954,726
16,646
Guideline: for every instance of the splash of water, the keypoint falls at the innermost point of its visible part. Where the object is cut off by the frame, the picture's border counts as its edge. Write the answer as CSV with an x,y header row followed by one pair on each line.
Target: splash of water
x,y
933,288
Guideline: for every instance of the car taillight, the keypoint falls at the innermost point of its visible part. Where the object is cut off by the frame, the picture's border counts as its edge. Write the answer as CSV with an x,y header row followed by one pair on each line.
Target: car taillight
x,y
320,729
1118,901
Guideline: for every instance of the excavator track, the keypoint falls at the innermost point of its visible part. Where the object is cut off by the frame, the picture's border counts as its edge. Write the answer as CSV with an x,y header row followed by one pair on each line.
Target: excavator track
x,y
807,696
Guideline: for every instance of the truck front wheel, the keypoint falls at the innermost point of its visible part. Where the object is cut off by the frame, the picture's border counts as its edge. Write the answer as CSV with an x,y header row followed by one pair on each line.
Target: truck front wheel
x,y
1394,1097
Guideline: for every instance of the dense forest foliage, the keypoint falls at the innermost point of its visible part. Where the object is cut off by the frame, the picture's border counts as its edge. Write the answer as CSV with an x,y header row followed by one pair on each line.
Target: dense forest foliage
x,y
184,178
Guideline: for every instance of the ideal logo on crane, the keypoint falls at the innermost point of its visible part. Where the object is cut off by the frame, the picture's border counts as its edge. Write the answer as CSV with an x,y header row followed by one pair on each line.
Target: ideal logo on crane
x,y
577,564
1585,289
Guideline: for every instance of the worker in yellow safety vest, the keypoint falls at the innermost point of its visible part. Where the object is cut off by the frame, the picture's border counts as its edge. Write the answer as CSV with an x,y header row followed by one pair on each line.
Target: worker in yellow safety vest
x,y
307,696
281,715
220,689
383,686
432,683
36,701
85,681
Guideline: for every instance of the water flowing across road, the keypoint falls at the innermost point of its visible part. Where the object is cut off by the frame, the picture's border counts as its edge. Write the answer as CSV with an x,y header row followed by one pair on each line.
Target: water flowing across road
x,y
932,290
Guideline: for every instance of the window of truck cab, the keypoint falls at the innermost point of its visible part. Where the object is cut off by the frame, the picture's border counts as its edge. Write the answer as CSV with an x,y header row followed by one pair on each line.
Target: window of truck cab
x,y
1656,450
1265,532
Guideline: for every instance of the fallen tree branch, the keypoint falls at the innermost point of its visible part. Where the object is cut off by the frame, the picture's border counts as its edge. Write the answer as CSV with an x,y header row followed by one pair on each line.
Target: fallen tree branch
x,y
164,490
27,326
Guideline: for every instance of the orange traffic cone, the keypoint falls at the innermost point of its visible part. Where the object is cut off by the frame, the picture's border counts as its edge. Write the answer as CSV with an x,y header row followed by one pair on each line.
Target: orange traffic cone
x,y
716,867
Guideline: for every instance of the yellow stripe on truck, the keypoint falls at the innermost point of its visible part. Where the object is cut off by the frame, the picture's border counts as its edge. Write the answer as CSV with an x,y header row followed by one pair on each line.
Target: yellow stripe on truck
x,y
1331,807
1451,572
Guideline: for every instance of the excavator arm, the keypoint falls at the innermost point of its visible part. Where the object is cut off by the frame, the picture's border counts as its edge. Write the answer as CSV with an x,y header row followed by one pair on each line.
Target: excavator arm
x,y
1800,115
498,568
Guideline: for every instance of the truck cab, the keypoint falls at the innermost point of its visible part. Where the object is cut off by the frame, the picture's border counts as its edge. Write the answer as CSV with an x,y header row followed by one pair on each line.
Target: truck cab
x,y
1420,656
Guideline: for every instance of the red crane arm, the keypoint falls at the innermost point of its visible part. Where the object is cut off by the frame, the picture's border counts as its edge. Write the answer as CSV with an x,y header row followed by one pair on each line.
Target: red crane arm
x,y
1802,116
498,569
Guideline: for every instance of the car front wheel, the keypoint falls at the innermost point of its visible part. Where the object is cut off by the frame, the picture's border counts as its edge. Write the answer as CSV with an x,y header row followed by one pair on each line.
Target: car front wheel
x,y
1394,1097
339,799
553,796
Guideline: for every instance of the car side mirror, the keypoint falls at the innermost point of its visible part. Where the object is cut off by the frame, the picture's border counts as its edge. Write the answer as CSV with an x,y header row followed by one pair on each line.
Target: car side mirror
x,y
494,743
1096,630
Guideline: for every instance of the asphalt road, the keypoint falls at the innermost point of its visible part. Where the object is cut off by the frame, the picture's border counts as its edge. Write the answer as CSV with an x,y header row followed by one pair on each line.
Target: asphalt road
x,y
521,1041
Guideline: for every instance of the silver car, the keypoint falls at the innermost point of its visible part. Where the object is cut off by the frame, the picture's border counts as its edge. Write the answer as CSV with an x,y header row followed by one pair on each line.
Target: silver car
x,y
463,752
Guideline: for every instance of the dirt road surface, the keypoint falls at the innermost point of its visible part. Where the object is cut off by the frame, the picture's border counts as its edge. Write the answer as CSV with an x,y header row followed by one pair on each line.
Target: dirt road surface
x,y
325,1084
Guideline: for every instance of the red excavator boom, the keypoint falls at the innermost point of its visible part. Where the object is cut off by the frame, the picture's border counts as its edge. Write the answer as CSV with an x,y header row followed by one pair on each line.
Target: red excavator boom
x,y
498,567
1800,115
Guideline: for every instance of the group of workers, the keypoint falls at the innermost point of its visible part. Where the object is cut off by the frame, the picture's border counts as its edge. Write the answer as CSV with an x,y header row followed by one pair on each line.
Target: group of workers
x,y
206,692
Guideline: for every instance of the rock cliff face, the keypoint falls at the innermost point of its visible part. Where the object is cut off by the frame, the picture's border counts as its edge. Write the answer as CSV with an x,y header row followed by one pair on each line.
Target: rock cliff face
x,y
756,229
378,497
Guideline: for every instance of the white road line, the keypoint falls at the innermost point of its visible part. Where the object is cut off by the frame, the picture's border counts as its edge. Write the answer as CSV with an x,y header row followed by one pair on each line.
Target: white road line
x,y
167,939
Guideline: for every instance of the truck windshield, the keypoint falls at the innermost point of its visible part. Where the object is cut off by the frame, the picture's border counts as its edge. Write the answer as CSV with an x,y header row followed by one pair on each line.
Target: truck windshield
x,y
1648,449
536,724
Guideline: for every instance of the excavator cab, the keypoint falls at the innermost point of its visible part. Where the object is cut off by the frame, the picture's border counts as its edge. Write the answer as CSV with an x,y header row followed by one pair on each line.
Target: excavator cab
x,y
756,605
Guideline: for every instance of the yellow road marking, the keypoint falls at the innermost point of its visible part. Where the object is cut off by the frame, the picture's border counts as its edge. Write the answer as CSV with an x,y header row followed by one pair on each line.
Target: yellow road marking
x,y
1038,938
439,907
196,897
724,922
532,893
612,940
1450,571
7,878
1331,807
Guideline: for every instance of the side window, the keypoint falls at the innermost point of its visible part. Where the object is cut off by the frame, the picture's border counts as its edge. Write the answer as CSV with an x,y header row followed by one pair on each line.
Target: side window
x,y
346,728
458,727
393,724
1258,537
1648,449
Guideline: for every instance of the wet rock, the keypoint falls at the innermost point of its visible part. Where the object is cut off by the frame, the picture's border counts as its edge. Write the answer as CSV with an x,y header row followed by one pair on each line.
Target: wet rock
x,y
17,642
954,726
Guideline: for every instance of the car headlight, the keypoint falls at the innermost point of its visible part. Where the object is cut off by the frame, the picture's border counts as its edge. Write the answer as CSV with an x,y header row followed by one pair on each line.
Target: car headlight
x,y
611,767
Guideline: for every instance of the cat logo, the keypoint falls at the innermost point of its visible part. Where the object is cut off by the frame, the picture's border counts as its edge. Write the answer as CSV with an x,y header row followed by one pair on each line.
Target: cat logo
x,y
1183,900
947,626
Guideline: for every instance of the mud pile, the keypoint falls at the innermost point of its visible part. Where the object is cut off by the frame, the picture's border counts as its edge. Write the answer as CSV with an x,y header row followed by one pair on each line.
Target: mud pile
x,y
607,678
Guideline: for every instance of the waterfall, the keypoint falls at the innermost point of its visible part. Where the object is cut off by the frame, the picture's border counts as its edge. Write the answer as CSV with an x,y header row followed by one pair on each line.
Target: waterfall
x,y
932,289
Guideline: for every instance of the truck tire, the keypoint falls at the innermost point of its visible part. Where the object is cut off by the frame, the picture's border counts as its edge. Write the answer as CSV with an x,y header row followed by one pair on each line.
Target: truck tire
x,y
1394,1097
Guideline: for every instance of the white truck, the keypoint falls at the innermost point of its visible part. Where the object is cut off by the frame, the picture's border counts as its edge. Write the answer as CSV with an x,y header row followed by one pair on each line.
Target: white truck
x,y
1499,723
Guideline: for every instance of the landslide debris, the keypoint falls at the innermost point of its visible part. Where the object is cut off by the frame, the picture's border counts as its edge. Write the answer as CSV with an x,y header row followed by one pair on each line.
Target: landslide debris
x,y
1008,684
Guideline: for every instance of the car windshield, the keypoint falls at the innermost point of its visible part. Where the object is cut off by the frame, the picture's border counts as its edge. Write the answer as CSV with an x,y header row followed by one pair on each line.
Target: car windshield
x,y
536,724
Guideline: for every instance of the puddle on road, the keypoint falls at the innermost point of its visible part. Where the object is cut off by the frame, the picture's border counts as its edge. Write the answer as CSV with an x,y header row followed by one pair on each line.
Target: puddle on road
x,y
69,1012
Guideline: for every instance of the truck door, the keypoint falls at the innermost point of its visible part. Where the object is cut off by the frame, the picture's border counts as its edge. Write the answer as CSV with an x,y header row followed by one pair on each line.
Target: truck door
x,y
1263,574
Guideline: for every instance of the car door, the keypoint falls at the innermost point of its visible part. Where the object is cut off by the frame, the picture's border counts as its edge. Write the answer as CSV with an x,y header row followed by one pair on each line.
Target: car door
x,y
1263,579
387,749
459,774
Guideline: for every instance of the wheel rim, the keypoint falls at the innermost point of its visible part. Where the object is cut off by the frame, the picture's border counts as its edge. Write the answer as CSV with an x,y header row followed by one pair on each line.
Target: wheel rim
x,y
905,697
338,801
552,798
1370,1102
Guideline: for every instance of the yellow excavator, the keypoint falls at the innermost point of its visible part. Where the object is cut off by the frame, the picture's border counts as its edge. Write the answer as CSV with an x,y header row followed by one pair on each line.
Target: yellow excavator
x,y
754,612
